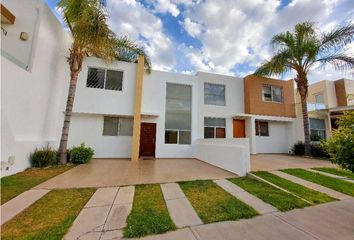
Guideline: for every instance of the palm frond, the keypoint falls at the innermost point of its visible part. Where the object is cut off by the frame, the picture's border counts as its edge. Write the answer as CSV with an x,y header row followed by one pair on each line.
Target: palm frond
x,y
340,62
278,64
337,38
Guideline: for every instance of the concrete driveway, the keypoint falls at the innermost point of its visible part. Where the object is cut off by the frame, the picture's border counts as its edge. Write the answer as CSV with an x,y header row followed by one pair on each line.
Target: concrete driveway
x,y
269,162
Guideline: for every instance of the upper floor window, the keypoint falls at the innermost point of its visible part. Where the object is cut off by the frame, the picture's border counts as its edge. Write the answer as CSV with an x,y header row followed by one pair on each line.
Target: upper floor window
x,y
272,93
319,98
262,128
117,126
178,116
214,94
214,127
105,79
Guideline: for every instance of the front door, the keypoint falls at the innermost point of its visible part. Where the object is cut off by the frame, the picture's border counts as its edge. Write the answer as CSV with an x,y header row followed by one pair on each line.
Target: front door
x,y
239,128
147,139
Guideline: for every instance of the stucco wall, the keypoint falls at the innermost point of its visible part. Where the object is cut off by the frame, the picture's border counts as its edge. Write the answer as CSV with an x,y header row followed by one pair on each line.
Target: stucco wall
x,y
277,141
32,102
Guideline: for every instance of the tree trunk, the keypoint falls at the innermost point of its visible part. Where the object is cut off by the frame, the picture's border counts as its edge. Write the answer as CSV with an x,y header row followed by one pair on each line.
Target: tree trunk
x,y
302,87
68,112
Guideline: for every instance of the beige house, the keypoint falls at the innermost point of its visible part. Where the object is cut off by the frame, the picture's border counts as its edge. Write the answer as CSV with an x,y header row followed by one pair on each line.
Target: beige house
x,y
326,101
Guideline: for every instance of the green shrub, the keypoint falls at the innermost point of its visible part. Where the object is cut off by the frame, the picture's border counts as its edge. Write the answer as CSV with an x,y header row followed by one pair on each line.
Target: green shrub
x,y
340,146
318,150
81,154
43,157
298,148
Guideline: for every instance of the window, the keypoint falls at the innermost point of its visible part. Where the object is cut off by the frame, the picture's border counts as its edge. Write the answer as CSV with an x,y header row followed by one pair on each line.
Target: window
x,y
262,128
214,127
178,118
105,79
115,126
317,129
214,94
272,93
319,98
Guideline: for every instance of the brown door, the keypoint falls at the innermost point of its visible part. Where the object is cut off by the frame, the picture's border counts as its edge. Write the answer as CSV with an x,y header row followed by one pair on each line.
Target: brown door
x,y
147,139
239,128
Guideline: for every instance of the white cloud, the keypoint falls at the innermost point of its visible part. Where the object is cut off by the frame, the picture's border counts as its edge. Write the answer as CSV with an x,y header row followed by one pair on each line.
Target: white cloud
x,y
193,28
163,6
131,18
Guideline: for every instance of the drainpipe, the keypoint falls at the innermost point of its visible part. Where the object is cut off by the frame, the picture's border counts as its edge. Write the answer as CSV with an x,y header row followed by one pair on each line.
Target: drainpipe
x,y
137,109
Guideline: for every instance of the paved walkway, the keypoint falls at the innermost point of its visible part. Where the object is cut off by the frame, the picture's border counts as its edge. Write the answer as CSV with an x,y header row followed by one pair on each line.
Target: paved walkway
x,y
16,205
269,162
119,172
260,206
322,222
314,186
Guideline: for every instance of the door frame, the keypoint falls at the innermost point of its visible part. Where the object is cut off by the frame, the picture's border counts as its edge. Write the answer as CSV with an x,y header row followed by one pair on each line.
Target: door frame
x,y
154,139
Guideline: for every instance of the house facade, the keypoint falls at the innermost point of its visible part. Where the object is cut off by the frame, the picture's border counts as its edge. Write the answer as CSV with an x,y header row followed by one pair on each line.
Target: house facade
x,y
326,102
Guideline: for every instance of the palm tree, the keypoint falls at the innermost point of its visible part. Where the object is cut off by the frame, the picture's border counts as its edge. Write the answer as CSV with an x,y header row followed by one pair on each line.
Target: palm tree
x,y
91,36
302,51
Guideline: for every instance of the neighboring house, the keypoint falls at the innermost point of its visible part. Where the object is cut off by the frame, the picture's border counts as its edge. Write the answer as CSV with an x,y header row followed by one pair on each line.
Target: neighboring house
x,y
326,101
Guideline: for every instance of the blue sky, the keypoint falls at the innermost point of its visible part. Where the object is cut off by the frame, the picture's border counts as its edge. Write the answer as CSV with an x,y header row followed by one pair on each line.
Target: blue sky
x,y
223,36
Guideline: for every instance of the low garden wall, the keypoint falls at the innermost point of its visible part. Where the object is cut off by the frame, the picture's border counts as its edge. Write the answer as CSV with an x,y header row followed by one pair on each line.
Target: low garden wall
x,y
230,154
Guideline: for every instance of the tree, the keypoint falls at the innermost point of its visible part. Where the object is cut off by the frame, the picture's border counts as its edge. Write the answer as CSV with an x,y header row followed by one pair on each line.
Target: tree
x,y
91,36
340,146
302,51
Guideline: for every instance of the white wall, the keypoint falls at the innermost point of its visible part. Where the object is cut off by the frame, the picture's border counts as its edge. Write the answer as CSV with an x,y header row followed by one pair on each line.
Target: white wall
x,y
234,96
32,102
229,154
277,141
88,128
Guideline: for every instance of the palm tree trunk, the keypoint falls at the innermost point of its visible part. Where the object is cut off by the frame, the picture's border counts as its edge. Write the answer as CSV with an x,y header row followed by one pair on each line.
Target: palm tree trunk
x,y
305,119
68,112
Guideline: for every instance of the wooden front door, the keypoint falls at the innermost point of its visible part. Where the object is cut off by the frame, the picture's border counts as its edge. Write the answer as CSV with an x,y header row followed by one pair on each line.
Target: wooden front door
x,y
239,128
147,140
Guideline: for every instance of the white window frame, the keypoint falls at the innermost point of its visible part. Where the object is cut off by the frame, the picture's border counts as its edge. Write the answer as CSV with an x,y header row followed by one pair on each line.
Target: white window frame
x,y
119,122
271,93
317,129
215,127
105,77
178,132
257,126
217,84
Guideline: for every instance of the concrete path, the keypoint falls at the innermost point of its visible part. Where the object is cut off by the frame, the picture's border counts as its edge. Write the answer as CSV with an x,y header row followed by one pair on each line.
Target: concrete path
x,y
312,185
16,205
260,206
322,222
332,175
180,209
104,215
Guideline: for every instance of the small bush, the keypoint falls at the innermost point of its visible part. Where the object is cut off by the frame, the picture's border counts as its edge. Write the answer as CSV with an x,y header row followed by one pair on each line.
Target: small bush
x,y
318,150
43,157
81,154
299,148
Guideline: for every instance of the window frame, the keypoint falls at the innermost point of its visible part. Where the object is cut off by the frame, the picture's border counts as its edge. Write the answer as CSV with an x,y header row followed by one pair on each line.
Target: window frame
x,y
105,77
271,93
215,84
258,128
191,115
119,126
214,128
317,129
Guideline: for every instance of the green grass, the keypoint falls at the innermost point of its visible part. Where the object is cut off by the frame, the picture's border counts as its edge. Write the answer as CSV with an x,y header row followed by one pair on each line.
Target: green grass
x,y
14,185
333,183
48,218
149,214
269,194
213,204
337,171
308,194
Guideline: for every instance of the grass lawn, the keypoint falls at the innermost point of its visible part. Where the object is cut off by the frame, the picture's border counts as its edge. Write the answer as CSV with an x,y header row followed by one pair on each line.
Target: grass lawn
x,y
149,214
269,194
333,183
310,195
337,171
213,204
14,185
48,218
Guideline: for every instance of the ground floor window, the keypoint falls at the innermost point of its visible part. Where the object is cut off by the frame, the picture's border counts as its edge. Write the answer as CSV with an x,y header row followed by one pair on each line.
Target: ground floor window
x,y
117,126
262,128
317,129
214,127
